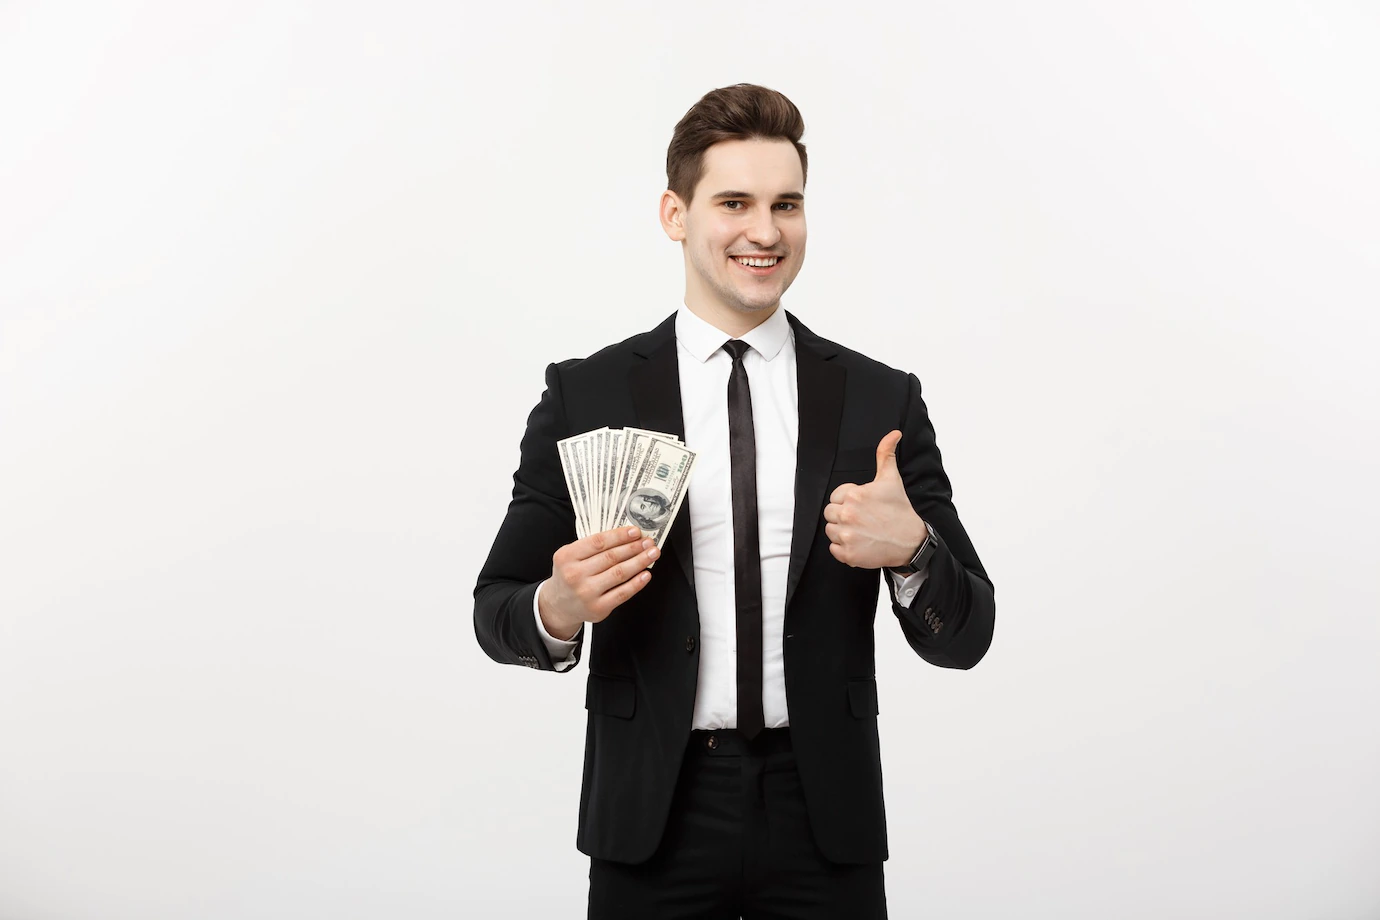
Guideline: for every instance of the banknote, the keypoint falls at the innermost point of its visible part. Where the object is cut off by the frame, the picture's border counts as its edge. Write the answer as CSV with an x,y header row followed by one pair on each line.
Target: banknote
x,y
626,477
655,487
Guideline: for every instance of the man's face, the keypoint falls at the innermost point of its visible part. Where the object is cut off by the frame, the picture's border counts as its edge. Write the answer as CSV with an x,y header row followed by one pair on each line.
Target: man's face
x,y
760,217
647,506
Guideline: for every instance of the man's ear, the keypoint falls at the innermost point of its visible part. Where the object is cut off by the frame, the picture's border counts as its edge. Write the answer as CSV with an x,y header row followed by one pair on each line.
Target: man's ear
x,y
672,213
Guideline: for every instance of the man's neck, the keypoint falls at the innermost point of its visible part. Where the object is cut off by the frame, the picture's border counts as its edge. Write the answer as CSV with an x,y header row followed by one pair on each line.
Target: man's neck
x,y
732,322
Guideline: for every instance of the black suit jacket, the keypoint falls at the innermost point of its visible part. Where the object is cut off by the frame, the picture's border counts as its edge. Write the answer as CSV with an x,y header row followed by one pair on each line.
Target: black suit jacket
x,y
644,658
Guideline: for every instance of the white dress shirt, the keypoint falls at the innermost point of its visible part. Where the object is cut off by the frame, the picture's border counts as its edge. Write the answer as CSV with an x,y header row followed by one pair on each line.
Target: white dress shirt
x,y
771,371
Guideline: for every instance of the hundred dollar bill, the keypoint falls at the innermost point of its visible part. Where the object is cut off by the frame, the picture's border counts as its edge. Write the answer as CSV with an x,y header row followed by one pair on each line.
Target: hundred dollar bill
x,y
572,452
660,477
596,449
630,455
600,467
609,470
564,449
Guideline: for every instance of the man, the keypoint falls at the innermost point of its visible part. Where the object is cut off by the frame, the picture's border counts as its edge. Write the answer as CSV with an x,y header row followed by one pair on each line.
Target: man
x,y
732,761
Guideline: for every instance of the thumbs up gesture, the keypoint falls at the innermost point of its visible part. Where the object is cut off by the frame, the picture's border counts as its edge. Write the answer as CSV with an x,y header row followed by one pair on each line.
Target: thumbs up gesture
x,y
871,526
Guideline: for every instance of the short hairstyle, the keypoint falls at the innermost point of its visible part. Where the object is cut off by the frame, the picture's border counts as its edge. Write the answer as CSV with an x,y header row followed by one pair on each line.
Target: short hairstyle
x,y
743,111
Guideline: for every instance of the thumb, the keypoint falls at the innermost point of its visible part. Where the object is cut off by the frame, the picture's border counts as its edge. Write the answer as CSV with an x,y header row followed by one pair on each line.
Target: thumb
x,y
886,455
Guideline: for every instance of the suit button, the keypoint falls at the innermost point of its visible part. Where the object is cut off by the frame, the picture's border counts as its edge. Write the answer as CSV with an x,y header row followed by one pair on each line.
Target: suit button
x,y
689,643
711,742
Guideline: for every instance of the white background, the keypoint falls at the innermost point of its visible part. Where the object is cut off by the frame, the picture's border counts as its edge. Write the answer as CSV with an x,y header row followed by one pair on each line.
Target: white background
x,y
278,282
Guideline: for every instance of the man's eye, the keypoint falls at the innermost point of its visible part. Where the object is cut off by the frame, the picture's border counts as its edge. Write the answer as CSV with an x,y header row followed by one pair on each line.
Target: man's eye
x,y
788,204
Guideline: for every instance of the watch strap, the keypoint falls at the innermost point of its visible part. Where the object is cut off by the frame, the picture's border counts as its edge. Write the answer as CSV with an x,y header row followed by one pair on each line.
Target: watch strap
x,y
922,555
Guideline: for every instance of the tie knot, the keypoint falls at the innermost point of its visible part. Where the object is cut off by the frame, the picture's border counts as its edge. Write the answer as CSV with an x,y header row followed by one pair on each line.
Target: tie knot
x,y
737,348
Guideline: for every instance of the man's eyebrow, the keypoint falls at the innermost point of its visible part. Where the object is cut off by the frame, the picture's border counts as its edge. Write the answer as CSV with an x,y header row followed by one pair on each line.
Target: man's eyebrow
x,y
792,196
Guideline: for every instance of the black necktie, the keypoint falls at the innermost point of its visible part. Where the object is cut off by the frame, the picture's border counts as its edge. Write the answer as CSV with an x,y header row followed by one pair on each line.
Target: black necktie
x,y
747,559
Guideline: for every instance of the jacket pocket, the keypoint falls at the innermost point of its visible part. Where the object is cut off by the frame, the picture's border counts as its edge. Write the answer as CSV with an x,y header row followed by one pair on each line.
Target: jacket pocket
x,y
611,696
862,697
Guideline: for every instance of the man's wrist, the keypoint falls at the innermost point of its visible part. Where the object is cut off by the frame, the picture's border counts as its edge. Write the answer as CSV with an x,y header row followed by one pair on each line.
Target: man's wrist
x,y
553,625
904,568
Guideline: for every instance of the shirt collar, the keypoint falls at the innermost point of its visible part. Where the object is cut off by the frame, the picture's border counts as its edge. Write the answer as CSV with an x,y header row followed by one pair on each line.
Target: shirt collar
x,y
702,339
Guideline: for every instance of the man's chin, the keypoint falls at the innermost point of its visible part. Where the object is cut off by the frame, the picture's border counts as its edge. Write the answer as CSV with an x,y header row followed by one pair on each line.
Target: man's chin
x,y
754,306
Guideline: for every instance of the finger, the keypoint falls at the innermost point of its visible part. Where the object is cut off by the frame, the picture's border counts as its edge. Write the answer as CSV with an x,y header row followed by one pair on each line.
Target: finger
x,y
597,543
835,533
621,593
839,495
839,553
597,565
833,513
886,452
611,578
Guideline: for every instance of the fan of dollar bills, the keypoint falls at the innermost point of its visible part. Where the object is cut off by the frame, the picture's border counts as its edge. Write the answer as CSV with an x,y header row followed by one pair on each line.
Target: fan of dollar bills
x,y
626,477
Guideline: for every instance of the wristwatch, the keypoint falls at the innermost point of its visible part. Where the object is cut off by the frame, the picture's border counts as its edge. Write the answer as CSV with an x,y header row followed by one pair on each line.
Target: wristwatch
x,y
922,555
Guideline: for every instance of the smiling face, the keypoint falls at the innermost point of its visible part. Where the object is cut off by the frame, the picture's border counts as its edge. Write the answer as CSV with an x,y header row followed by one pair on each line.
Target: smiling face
x,y
749,202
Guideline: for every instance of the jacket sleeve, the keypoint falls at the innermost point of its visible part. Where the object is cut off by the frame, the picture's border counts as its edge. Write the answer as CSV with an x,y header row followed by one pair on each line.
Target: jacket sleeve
x,y
540,520
949,622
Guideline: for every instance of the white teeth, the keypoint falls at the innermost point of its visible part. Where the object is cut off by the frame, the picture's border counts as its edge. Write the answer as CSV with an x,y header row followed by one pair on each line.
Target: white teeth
x,y
757,263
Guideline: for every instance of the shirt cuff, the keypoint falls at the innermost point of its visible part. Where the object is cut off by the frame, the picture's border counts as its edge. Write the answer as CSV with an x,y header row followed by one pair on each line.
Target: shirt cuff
x,y
562,651
907,586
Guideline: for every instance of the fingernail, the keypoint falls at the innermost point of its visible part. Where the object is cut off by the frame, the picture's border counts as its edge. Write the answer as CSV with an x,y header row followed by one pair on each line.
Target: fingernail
x,y
653,553
648,543
633,531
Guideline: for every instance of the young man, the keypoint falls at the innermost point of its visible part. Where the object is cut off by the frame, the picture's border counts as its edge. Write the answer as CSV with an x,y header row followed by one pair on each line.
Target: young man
x,y
732,761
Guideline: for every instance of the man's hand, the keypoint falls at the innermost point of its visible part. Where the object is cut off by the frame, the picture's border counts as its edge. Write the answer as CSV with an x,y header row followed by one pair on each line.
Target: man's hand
x,y
591,577
871,526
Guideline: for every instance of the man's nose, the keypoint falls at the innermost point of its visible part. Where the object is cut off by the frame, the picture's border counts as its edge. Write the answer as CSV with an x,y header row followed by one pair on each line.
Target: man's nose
x,y
763,231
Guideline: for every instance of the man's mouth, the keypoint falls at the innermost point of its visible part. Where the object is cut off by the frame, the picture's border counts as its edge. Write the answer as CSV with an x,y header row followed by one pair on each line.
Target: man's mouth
x,y
758,266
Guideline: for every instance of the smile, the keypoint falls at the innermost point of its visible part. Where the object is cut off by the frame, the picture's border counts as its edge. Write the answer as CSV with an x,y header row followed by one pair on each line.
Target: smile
x,y
759,269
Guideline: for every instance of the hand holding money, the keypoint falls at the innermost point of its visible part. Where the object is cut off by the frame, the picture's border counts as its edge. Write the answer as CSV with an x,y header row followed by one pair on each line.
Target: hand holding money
x,y
625,485
592,576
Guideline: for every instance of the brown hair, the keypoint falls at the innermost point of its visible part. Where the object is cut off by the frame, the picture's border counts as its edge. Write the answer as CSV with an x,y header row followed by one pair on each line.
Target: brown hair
x,y
743,111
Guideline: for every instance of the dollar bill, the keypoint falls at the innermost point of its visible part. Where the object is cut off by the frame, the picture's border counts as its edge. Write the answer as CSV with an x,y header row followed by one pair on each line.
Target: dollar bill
x,y
619,477
656,487
565,448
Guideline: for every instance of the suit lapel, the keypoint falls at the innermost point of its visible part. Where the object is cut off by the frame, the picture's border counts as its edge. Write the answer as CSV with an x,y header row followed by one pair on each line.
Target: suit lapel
x,y
819,385
655,387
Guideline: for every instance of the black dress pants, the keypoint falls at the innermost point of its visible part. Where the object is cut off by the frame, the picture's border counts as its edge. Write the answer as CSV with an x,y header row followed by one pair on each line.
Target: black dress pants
x,y
738,844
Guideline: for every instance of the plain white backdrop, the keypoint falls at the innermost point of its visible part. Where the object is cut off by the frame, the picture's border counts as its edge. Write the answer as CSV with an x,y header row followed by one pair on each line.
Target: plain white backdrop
x,y
278,282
